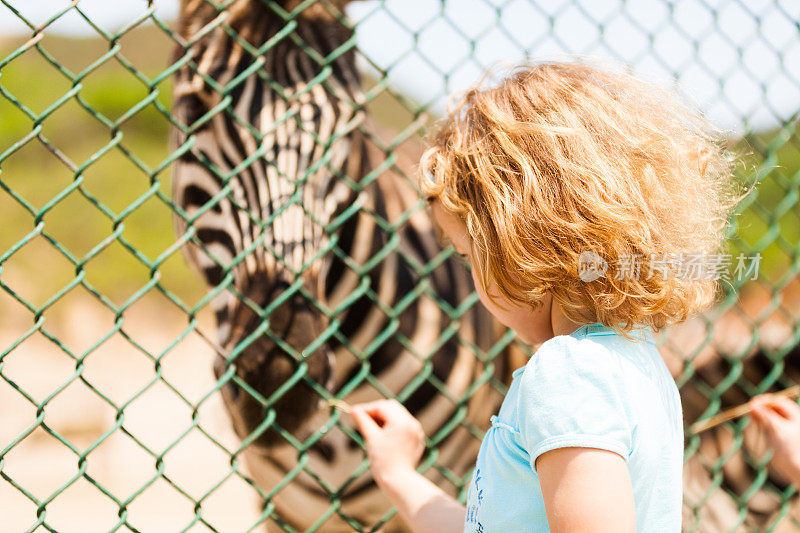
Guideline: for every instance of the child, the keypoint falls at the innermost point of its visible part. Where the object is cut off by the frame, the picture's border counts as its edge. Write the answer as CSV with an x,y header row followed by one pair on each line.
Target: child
x,y
780,418
560,167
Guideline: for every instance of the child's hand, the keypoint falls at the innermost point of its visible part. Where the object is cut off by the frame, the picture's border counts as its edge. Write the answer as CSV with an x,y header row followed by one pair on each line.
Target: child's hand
x,y
395,439
780,417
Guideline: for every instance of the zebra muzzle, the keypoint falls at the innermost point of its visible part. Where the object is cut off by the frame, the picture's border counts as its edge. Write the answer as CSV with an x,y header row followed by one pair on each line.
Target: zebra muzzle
x,y
273,374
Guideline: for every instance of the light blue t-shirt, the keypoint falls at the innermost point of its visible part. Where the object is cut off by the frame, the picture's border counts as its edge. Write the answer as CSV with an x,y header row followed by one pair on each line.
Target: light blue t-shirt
x,y
591,388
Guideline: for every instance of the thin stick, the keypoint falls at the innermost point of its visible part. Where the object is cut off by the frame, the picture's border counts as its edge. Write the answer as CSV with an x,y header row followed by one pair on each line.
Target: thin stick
x,y
340,405
740,410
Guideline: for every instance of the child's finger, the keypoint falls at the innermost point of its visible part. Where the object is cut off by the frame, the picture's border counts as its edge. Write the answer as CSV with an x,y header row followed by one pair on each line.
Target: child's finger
x,y
380,411
762,413
394,411
772,404
761,398
785,407
365,423
756,413
368,406
764,417
781,405
386,412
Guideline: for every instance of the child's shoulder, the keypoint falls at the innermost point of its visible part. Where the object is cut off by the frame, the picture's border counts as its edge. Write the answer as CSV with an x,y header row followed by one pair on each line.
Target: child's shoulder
x,y
573,386
593,352
566,354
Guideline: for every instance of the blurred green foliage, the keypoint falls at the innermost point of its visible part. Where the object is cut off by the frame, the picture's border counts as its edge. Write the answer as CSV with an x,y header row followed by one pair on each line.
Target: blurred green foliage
x,y
124,171
768,219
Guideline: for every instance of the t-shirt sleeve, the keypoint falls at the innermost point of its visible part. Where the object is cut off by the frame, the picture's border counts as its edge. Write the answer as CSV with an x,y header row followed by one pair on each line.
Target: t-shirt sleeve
x,y
572,395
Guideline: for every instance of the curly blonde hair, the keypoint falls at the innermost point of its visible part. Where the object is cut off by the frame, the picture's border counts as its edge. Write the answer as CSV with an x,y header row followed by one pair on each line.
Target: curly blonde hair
x,y
564,157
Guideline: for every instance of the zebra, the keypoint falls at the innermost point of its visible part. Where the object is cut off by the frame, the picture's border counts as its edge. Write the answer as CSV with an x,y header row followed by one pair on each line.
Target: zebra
x,y
284,198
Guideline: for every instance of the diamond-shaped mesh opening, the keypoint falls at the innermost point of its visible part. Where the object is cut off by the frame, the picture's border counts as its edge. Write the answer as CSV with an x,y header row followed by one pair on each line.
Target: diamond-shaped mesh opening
x,y
41,479
57,129
139,125
232,506
133,186
637,39
157,417
20,512
180,281
129,477
571,19
160,506
84,507
17,412
142,45
181,464
53,174
102,279
37,257
15,123
473,18
117,369
156,323
115,346
17,220
70,312
79,234
148,225
72,55
17,368
458,47
50,86
99,84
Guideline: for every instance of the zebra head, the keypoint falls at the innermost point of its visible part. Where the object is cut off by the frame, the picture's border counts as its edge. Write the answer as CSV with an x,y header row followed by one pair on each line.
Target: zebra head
x,y
268,131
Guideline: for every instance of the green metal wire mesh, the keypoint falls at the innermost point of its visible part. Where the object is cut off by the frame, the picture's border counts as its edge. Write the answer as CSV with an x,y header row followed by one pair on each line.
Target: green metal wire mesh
x,y
110,417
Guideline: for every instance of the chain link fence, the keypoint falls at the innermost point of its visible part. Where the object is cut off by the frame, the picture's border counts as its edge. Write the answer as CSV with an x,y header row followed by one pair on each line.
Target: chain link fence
x,y
111,416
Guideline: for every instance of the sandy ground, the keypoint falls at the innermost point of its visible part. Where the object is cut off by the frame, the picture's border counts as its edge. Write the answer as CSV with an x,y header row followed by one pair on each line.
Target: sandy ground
x,y
154,414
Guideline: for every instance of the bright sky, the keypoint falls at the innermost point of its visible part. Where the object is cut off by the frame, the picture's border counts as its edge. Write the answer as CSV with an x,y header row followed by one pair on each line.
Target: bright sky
x,y
753,45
